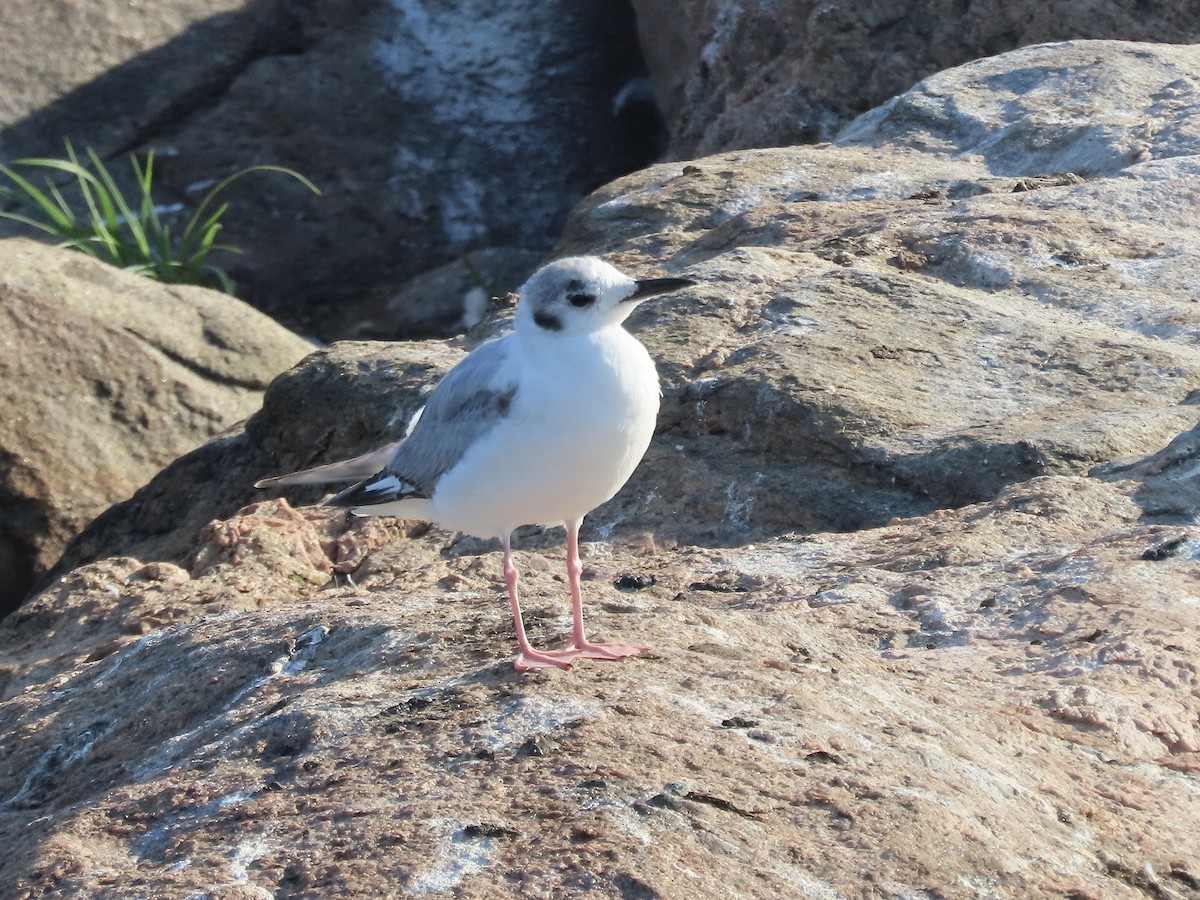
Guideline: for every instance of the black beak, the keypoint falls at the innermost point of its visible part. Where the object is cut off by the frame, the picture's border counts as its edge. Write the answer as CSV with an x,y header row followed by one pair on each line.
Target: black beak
x,y
648,287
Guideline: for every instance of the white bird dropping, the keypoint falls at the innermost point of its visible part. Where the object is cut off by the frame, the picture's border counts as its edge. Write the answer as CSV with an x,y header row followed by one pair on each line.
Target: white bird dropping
x,y
538,427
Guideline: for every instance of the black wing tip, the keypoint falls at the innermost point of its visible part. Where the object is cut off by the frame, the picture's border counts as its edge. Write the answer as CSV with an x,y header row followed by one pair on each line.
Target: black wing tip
x,y
382,488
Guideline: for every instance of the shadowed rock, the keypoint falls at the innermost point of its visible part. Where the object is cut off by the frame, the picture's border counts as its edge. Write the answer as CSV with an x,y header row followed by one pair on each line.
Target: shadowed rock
x,y
432,129
105,377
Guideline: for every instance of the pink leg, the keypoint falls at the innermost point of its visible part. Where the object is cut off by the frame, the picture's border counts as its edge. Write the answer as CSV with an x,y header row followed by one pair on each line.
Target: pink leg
x,y
580,645
527,657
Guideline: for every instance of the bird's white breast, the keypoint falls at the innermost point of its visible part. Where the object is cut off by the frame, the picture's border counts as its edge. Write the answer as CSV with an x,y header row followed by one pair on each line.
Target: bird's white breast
x,y
581,420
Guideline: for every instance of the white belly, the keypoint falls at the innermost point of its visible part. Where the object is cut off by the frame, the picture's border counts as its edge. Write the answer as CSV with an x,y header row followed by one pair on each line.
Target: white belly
x,y
578,426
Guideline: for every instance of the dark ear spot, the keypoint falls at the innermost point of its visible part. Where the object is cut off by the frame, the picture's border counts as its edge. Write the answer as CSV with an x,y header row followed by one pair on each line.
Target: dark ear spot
x,y
546,320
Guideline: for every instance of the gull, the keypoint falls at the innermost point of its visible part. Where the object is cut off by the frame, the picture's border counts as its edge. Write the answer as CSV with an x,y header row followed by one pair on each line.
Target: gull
x,y
538,427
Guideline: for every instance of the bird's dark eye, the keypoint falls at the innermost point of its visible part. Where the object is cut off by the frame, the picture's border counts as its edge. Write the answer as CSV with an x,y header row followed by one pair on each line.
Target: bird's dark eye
x,y
580,300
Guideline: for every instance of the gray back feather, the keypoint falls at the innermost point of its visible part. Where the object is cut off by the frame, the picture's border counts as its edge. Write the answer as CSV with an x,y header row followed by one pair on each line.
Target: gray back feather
x,y
466,404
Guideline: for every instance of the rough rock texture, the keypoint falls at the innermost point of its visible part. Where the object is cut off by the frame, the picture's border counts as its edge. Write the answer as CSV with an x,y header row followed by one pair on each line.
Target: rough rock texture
x,y
731,74
1091,108
433,128
997,701
339,402
209,44
878,331
884,327
104,379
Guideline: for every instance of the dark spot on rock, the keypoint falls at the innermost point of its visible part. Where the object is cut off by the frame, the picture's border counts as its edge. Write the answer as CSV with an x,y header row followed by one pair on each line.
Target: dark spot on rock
x,y
1179,873
538,745
721,804
715,587
824,756
739,722
661,801
633,888
627,581
1165,550
490,831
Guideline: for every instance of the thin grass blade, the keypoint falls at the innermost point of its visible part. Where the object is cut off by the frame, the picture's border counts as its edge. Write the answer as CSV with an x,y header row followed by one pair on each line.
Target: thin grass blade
x,y
197,239
114,197
33,198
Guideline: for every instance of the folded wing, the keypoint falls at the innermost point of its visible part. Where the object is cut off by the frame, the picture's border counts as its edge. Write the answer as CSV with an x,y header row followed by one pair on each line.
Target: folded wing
x,y
467,403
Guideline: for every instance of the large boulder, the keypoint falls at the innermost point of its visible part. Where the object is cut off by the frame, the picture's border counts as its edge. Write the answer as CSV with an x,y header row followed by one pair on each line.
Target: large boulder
x,y
433,129
910,324
1090,108
998,700
765,74
877,332
125,47
105,377
988,688
339,402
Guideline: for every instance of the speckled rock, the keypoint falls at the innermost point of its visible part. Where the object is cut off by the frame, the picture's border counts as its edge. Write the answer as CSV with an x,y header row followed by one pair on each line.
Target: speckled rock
x,y
886,329
732,74
1089,108
995,701
988,689
877,332
105,377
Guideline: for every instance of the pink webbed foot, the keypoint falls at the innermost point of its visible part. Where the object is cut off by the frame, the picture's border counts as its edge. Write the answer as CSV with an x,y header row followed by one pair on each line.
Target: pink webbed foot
x,y
588,650
530,659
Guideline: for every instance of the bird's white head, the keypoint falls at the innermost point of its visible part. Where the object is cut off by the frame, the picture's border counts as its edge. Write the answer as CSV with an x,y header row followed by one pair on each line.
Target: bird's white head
x,y
582,294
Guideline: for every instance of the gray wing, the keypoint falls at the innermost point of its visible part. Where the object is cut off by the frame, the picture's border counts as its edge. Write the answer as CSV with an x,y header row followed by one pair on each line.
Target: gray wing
x,y
355,469
466,404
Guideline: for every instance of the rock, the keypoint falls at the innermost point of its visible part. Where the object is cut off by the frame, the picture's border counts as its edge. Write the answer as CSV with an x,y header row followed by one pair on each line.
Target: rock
x,y
878,332
1170,479
433,129
105,377
995,699
157,52
340,401
756,74
1129,103
447,300
1001,696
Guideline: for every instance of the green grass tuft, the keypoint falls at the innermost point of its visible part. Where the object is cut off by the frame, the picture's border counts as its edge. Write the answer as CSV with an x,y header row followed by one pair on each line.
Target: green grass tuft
x,y
129,236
